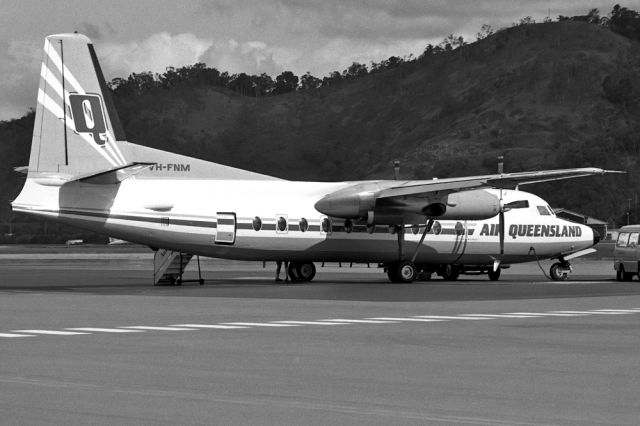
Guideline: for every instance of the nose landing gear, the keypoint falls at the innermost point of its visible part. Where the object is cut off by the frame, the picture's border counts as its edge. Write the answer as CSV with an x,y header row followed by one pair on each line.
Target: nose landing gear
x,y
560,271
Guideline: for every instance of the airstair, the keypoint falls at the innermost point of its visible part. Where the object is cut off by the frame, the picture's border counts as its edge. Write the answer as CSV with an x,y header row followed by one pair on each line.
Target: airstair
x,y
169,265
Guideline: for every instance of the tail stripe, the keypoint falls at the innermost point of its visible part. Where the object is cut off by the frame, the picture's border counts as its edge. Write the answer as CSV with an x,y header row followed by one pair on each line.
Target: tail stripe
x,y
55,109
113,156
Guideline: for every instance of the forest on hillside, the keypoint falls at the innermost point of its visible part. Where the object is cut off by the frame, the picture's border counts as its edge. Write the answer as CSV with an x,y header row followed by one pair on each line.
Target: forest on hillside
x,y
561,93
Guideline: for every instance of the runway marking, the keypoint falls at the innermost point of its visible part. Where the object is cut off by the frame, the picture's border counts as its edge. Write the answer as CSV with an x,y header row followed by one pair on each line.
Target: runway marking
x,y
52,332
501,315
407,319
355,321
259,324
217,326
105,330
588,312
446,318
335,321
549,314
310,322
15,335
144,327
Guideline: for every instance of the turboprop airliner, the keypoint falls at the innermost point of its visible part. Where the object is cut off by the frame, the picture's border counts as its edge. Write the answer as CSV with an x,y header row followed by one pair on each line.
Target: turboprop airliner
x,y
83,172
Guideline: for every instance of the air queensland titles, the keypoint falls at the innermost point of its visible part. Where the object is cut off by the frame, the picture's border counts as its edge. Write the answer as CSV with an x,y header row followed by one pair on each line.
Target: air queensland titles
x,y
537,230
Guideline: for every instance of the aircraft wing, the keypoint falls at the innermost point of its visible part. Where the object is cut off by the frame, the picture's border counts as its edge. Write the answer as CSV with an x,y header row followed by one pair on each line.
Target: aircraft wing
x,y
395,202
504,180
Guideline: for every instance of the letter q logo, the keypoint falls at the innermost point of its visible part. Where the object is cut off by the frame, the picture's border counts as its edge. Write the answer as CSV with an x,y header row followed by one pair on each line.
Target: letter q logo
x,y
88,117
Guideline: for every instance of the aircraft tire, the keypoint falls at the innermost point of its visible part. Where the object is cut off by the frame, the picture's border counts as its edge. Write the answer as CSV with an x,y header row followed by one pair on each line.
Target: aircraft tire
x,y
450,272
306,271
402,272
494,275
556,272
407,272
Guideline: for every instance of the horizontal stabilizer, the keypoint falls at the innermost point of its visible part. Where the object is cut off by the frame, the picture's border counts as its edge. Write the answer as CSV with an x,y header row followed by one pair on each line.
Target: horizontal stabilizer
x,y
117,175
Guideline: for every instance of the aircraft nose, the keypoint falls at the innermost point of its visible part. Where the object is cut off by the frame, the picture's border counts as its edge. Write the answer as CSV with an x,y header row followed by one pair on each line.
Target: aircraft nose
x,y
596,237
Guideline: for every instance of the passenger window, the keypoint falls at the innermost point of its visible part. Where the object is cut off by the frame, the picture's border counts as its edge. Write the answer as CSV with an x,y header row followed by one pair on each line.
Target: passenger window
x,y
436,228
543,211
623,239
633,239
304,225
282,224
257,223
326,225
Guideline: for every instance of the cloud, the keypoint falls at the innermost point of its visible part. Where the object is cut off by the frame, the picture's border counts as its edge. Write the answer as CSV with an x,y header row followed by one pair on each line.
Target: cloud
x,y
155,53
19,83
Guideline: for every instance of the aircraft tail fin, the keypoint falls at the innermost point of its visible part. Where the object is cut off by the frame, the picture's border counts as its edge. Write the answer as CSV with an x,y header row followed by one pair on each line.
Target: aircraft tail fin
x,y
77,130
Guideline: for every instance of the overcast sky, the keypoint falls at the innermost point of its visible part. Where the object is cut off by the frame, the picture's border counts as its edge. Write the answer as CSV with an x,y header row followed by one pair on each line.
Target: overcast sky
x,y
252,36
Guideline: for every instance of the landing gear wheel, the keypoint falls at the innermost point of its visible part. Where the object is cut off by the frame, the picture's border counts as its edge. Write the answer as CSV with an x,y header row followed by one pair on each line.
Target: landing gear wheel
x,y
450,272
306,271
559,271
494,275
402,272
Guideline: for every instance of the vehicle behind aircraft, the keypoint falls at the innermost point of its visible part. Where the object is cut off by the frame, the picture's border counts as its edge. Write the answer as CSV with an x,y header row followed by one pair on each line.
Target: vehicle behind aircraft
x,y
626,254
83,172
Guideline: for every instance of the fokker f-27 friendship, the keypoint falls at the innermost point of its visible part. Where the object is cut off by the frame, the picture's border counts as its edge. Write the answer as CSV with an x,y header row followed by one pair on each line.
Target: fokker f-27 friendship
x,y
84,173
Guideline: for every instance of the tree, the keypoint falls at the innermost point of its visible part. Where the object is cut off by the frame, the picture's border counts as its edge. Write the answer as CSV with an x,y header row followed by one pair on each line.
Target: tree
x,y
285,82
355,70
625,22
308,81
485,31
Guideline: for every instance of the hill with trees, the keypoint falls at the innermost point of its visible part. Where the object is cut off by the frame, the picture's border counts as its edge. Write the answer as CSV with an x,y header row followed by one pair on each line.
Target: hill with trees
x,y
545,95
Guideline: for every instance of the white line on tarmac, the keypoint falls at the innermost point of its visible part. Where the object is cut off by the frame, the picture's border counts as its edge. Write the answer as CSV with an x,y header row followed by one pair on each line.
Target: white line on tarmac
x,y
144,327
15,335
259,324
549,314
105,330
216,326
501,315
407,319
622,311
310,322
52,332
443,317
353,321
586,313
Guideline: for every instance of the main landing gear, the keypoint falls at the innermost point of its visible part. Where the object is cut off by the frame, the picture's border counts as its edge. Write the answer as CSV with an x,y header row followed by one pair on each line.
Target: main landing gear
x,y
301,271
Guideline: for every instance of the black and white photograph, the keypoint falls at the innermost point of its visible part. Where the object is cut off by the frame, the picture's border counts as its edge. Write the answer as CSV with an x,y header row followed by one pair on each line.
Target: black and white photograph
x,y
293,212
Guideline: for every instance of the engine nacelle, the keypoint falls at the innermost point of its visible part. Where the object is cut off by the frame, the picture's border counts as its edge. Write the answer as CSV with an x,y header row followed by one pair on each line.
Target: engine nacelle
x,y
347,204
465,205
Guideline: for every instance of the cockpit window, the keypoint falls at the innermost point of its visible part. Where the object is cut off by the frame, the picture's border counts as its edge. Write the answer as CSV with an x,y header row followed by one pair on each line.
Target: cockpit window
x,y
543,211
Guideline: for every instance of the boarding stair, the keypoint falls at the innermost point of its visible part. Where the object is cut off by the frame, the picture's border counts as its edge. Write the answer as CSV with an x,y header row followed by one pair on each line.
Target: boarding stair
x,y
169,266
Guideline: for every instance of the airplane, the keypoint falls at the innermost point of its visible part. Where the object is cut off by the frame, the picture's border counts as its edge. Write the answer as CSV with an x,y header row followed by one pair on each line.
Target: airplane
x,y
83,172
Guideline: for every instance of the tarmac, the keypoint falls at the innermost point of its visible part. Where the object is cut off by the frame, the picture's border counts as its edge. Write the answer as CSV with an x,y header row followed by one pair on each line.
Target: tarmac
x,y
85,338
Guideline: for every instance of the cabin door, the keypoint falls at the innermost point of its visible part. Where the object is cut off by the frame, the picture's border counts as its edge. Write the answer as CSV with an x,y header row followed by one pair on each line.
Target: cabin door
x,y
226,228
